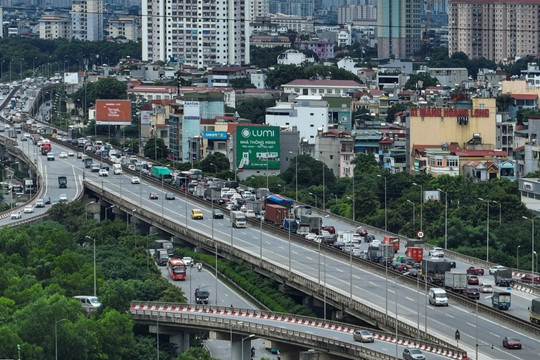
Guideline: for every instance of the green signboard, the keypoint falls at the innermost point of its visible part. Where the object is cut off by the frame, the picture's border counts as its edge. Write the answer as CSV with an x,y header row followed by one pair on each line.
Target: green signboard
x,y
257,147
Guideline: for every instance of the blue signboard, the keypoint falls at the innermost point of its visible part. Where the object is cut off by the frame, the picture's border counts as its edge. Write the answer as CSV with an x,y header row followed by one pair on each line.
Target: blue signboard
x,y
215,135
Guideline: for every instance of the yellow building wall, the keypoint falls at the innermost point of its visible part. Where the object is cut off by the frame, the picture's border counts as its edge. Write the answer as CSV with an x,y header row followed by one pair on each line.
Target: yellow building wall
x,y
519,87
435,130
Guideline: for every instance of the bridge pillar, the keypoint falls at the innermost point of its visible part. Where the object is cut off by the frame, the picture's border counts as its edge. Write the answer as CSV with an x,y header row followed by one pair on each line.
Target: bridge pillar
x,y
181,341
314,355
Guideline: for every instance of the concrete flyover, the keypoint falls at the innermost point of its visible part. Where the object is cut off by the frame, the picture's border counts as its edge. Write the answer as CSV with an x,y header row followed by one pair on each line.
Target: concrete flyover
x,y
312,288
293,333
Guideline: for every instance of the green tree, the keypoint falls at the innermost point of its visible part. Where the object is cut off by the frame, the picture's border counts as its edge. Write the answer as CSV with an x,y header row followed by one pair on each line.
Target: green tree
x,y
215,163
156,149
241,83
421,81
255,109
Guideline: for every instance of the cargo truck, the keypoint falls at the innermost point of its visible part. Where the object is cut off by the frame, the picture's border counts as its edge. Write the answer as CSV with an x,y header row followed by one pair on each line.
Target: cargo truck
x,y
374,254
503,277
417,253
165,245
414,243
387,251
534,311
433,270
314,222
290,224
392,240
501,300
261,193
255,205
212,193
62,182
300,210
275,214
238,219
161,257
162,173
455,281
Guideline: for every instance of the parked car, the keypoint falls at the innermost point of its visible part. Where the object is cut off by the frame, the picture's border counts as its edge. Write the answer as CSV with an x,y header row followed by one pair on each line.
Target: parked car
x,y
153,196
363,336
16,215
531,279
135,180
411,353
486,288
217,214
472,280
475,271
472,292
511,343
494,269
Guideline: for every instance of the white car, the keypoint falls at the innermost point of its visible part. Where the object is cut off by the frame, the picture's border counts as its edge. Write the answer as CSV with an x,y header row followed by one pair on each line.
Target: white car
x,y
40,203
28,209
71,154
63,198
250,214
103,172
486,288
63,155
16,215
311,236
436,252
494,269
188,261
135,180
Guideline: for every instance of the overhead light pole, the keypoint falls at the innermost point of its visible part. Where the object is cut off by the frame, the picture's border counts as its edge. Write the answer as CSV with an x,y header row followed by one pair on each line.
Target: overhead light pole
x,y
445,218
532,241
95,272
215,242
421,204
517,257
238,323
295,173
353,197
413,212
385,213
85,209
500,211
315,198
56,337
487,228
246,338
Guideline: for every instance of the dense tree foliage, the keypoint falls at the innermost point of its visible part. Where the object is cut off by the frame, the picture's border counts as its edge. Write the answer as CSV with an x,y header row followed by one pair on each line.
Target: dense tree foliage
x,y
421,81
265,57
156,149
255,109
284,74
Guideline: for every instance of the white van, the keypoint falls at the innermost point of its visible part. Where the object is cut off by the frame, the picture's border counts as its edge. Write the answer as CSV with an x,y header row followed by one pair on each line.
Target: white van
x,y
88,302
438,297
117,169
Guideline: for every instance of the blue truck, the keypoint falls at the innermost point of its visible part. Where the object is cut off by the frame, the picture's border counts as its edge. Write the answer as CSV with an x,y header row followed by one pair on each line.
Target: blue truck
x,y
501,300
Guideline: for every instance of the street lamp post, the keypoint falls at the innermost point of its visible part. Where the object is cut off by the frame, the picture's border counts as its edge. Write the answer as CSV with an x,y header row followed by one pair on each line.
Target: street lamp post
x,y
445,218
535,255
215,242
385,212
246,338
107,210
500,211
487,229
517,257
532,242
85,211
95,282
238,323
353,198
56,337
295,173
315,198
421,204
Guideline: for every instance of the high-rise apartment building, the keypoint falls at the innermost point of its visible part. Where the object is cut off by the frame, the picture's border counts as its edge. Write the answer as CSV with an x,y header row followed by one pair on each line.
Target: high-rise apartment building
x,y
87,20
201,33
496,30
399,28
54,27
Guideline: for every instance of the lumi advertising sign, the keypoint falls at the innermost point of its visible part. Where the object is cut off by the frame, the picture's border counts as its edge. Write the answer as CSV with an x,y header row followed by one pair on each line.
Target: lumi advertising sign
x,y
257,147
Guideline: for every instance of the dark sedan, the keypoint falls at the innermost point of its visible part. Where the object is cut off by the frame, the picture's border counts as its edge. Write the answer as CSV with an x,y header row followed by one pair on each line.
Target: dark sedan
x,y
472,292
169,196
511,343
217,214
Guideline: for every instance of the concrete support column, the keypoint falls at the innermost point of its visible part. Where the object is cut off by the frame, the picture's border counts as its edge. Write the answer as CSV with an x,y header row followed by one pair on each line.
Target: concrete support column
x,y
181,341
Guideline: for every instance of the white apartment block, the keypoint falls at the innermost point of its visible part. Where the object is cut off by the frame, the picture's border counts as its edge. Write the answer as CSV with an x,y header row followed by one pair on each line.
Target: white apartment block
x,y
125,26
201,33
87,20
309,114
259,8
54,27
294,57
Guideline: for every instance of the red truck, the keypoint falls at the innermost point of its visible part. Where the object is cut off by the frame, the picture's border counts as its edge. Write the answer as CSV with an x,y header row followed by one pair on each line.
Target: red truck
x,y
275,214
417,253
392,240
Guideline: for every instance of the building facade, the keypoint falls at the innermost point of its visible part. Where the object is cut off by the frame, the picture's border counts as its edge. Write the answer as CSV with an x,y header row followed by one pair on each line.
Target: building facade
x,y
199,34
54,27
127,27
399,28
496,30
87,20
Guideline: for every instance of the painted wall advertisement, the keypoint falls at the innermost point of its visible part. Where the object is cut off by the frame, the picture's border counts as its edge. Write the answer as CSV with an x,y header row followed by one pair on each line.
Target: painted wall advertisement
x,y
113,112
257,147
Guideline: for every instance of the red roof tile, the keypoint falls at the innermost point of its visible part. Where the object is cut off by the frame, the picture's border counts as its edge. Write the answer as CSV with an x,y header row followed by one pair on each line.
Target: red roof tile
x,y
303,82
524,96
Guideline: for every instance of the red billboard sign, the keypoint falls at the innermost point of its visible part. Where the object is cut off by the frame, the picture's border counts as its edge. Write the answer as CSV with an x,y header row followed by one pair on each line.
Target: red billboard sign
x,y
113,112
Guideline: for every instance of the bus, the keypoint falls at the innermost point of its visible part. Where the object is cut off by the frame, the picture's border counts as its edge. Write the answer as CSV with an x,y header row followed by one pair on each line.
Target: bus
x,y
176,269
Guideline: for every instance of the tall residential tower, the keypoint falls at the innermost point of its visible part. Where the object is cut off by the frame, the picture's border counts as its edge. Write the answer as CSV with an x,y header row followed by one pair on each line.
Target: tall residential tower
x,y
200,33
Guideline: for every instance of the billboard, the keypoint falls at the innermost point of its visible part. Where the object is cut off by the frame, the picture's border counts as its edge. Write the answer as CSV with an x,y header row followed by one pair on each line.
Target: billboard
x,y
113,112
215,135
191,110
146,117
257,147
71,78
